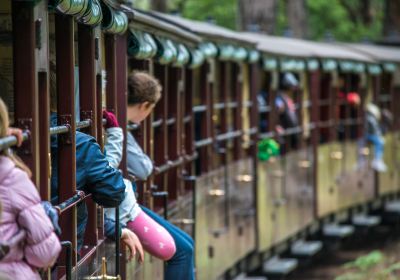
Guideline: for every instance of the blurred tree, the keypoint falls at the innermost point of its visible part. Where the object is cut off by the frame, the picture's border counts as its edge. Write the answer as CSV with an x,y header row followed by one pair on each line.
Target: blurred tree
x,y
391,28
296,12
258,15
223,12
346,20
342,20
159,5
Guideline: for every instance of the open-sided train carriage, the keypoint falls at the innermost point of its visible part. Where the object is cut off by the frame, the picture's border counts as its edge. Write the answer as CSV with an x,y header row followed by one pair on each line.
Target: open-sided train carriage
x,y
218,103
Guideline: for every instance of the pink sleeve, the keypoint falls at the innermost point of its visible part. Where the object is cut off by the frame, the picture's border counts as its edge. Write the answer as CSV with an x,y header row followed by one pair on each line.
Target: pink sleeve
x,y
42,246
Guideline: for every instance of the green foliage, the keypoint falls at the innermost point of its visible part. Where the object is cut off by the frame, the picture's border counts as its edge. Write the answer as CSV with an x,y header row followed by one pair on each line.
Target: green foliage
x,y
223,11
364,263
373,266
343,19
344,24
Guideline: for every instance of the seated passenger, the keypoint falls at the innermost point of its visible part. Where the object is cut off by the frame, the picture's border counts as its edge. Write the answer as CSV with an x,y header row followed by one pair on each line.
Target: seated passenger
x,y
23,214
286,108
159,237
93,172
373,134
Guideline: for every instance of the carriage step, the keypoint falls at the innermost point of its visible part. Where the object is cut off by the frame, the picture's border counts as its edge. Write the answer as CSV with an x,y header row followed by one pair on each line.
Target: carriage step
x,y
338,231
243,276
393,207
366,221
279,267
303,248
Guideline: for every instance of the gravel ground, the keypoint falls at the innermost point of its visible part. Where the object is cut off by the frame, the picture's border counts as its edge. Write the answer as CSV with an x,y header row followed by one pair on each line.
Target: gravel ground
x,y
330,265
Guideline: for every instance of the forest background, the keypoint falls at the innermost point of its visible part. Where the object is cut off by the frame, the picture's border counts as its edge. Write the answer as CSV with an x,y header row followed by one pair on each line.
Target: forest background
x,y
327,20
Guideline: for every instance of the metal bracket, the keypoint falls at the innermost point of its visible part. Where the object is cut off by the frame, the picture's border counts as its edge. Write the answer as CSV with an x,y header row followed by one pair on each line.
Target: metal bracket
x,y
25,125
87,115
66,120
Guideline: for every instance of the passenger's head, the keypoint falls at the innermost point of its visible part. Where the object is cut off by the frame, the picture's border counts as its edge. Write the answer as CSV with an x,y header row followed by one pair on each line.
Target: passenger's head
x,y
289,81
4,125
144,91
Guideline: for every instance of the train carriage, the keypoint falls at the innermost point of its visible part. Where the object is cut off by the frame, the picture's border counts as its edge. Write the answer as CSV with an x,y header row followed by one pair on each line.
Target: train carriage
x,y
70,59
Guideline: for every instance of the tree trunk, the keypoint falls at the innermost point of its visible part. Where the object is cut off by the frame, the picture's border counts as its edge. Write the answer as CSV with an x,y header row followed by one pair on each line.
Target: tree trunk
x,y
391,27
159,5
297,17
258,15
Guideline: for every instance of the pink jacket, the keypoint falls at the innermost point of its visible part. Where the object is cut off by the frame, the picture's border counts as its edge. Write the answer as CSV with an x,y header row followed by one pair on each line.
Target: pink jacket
x,y
22,210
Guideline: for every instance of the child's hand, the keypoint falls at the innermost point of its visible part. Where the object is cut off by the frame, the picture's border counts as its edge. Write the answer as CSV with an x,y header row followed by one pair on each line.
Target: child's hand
x,y
111,119
133,243
17,133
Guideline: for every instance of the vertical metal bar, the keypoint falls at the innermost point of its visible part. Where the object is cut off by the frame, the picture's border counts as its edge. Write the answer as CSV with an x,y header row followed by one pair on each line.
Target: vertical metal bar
x,y
121,93
87,102
121,103
68,257
117,242
173,131
238,122
25,82
66,113
42,66
111,70
44,120
315,88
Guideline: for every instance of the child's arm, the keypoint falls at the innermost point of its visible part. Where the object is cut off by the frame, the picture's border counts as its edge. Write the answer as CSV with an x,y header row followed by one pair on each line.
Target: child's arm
x,y
114,140
139,164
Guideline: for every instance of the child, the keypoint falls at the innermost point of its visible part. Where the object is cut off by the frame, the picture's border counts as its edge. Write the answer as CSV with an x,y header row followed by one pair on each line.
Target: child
x,y
93,172
158,236
22,211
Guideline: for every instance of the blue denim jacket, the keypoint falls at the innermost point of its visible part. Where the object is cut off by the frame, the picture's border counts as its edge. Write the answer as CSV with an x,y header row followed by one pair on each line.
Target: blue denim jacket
x,y
93,175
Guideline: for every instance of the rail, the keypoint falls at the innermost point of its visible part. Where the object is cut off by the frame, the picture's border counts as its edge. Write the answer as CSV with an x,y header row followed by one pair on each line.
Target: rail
x,y
266,135
203,142
157,123
10,141
264,109
199,108
72,201
229,135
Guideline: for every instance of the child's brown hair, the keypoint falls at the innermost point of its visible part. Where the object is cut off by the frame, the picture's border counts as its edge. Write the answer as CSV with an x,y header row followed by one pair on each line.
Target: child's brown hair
x,y
142,87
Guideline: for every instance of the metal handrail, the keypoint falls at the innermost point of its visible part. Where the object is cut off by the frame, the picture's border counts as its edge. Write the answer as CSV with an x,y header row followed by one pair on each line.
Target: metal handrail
x,y
203,142
132,126
199,108
157,123
10,141
266,135
72,201
60,129
229,135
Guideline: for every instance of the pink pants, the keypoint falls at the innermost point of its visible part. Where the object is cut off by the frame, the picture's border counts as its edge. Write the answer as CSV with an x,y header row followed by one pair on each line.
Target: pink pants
x,y
155,239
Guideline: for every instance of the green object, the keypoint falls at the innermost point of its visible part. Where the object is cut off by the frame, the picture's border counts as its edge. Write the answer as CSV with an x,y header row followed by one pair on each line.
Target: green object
x,y
141,45
197,58
209,49
270,63
254,56
183,55
71,7
166,51
267,148
115,22
93,14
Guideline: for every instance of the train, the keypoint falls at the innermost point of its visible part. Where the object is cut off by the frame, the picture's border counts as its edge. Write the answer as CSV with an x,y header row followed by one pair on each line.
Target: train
x,y
205,135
